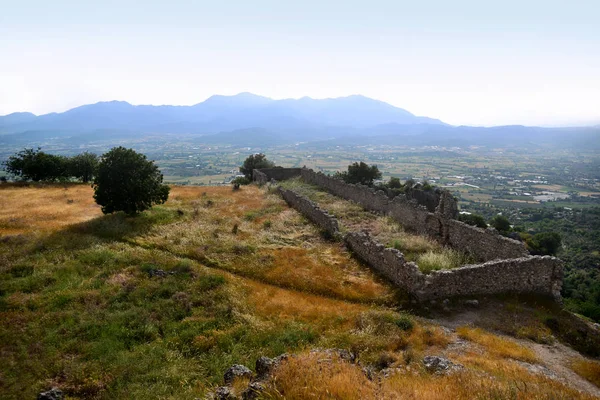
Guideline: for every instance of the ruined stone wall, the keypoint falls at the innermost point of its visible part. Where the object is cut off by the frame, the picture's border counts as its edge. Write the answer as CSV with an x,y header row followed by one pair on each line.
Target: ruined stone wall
x,y
532,274
516,273
483,244
487,244
280,174
260,177
310,210
387,261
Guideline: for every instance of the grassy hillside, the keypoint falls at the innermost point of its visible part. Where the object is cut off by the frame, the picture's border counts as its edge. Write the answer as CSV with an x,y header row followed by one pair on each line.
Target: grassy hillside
x,y
160,305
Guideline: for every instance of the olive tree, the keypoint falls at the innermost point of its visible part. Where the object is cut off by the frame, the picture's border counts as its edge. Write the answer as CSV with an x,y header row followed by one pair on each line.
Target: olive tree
x,y
35,165
126,181
359,172
83,166
255,161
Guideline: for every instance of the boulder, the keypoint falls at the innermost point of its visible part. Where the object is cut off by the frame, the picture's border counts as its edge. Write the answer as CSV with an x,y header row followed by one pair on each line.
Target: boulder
x,y
52,394
253,391
236,371
265,365
439,365
224,393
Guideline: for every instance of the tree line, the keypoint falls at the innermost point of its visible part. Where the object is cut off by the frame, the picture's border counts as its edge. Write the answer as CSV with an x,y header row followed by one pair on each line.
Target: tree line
x,y
38,166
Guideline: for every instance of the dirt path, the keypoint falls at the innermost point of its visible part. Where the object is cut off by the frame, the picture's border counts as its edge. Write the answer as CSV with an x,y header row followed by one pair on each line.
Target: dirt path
x,y
554,358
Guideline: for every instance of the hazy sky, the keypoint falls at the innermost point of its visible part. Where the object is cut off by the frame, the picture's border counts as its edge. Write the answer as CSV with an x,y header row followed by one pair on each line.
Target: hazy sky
x,y
466,62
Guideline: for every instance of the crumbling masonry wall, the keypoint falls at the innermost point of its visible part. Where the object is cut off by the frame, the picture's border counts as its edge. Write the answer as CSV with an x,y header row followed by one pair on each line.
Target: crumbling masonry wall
x,y
265,175
310,210
260,177
509,268
387,261
483,244
532,274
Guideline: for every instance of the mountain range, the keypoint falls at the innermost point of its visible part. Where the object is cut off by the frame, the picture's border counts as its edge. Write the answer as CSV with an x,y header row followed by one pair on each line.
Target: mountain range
x,y
250,120
216,114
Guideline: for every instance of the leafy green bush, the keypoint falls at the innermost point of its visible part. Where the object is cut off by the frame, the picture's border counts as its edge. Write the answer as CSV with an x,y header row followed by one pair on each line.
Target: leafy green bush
x,y
241,180
473,219
544,243
405,323
501,223
255,161
127,181
359,172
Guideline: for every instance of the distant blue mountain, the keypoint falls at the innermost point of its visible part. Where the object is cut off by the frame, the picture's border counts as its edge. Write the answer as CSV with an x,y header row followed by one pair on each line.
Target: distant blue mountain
x,y
249,120
16,118
217,114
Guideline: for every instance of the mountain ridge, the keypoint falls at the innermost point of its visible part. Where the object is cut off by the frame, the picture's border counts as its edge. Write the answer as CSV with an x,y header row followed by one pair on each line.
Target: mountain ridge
x,y
217,113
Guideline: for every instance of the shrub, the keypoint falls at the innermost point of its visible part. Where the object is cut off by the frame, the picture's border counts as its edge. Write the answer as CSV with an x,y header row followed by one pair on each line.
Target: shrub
x,y
83,166
473,219
405,323
360,173
127,181
545,243
394,183
255,161
241,180
501,223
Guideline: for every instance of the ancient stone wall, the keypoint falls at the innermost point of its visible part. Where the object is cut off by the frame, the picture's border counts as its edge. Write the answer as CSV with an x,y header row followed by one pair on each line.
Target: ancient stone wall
x,y
279,174
486,244
387,261
260,177
310,210
483,244
532,274
516,272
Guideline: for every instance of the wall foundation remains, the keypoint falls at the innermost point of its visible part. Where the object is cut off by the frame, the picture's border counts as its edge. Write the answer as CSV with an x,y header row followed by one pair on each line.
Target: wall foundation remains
x,y
506,266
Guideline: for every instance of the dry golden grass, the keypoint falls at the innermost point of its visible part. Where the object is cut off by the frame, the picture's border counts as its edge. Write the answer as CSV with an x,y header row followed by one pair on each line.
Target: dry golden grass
x,y
324,376
504,382
324,268
272,303
423,338
496,345
320,376
588,369
44,208
288,252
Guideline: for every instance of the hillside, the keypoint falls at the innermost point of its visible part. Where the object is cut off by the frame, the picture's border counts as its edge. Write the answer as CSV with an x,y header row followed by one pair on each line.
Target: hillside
x,y
161,305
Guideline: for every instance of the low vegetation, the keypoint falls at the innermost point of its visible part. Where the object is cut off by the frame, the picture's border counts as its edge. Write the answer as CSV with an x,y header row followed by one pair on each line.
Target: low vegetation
x,y
326,376
161,304
588,369
497,345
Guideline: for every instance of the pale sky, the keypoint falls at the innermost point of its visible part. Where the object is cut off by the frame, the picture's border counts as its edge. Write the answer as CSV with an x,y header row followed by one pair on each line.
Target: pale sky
x,y
534,62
